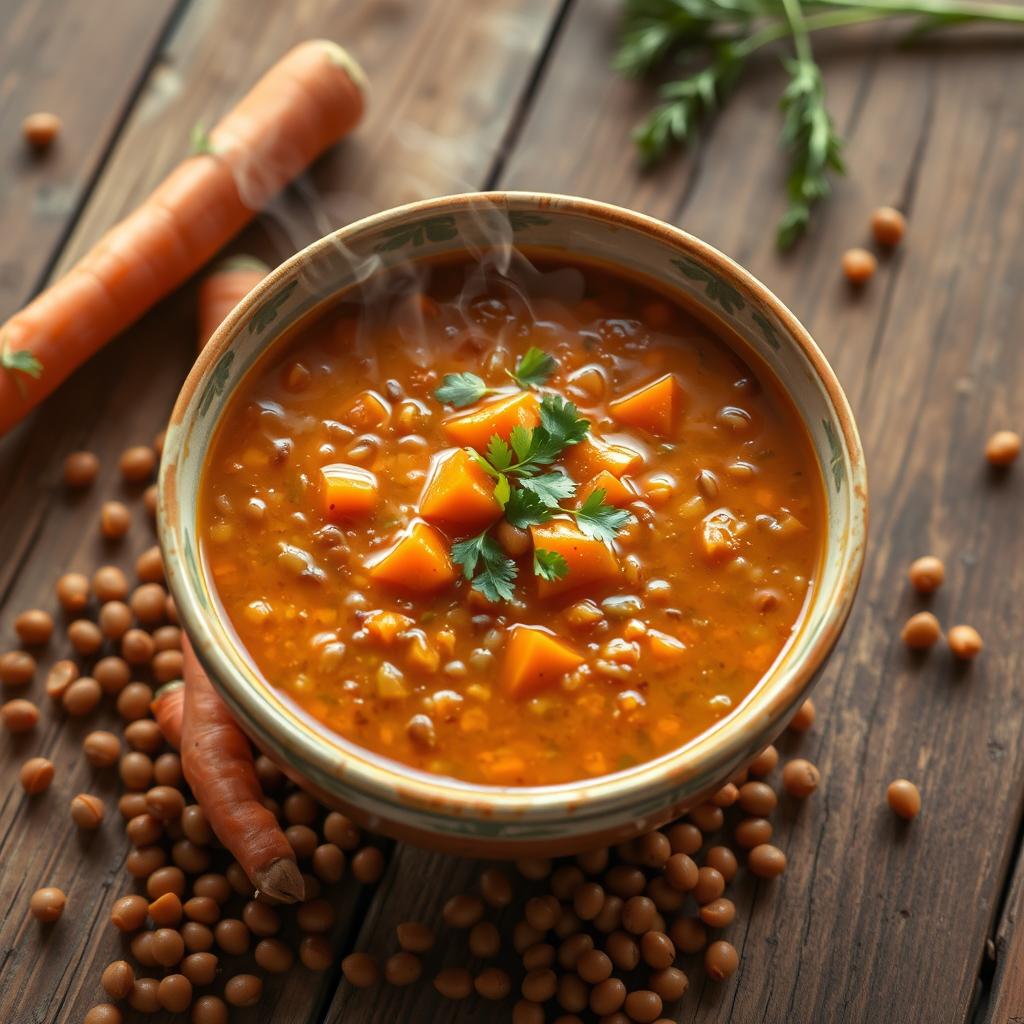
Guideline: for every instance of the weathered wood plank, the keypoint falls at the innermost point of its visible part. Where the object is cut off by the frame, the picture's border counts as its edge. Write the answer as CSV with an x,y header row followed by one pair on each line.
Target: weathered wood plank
x,y
1003,1003
445,82
45,54
871,914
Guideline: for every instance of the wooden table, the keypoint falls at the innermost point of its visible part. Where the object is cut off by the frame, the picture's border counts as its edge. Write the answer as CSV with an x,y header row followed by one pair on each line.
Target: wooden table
x,y
873,922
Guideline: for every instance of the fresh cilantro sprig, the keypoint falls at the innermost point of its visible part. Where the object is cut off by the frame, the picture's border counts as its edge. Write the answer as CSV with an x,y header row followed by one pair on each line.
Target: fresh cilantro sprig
x,y
549,565
497,572
599,520
533,370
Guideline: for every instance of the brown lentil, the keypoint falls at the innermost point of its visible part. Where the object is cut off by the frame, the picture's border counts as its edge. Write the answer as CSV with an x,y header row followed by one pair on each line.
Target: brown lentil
x,y
534,868
167,638
723,860
888,226
17,668
148,603
525,1012
572,948
572,993
34,629
492,983
133,703
368,865
454,983
719,913
415,937
587,900
637,914
73,592
707,817
137,647
165,911
144,830
663,895
300,809
142,734
175,993
203,909
315,916
167,666
904,798
921,631
215,886
136,770
141,947
118,979
101,749
145,995
238,879
167,770
80,470
643,1006
141,863
625,881
484,940
61,675
540,955
1003,448
593,966
163,802
165,879
564,880
859,266
765,762
47,904
804,718
623,950
19,715
109,584
115,619
137,463
757,799
302,839
196,827
209,1010
168,947
149,568
115,520
198,937
593,862
710,885
766,861
681,872
685,837
316,954
670,983
610,917
243,990
751,832
800,778
657,949
539,985
720,960
402,968
926,574
607,996
654,849
328,863
337,828
463,911
542,912
87,811
965,642
36,775
688,934
82,697
85,636
232,936
726,796
273,956
128,913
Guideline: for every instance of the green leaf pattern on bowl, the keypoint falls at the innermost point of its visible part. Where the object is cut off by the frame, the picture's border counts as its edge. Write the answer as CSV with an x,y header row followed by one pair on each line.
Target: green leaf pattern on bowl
x,y
718,291
431,229
218,381
263,317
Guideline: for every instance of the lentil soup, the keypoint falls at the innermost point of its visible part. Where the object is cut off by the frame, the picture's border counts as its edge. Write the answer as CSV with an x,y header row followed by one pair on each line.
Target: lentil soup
x,y
519,527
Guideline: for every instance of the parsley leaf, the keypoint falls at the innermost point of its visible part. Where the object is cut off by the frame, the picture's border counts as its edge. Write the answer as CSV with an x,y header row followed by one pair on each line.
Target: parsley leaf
x,y
497,573
533,368
461,389
549,565
524,508
502,491
499,454
520,438
551,488
561,420
598,520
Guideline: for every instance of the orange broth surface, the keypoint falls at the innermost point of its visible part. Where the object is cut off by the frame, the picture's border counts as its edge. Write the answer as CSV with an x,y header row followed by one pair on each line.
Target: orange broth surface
x,y
337,484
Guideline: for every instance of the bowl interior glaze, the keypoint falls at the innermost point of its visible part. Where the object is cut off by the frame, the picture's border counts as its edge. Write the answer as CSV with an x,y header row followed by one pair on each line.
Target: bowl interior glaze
x,y
448,812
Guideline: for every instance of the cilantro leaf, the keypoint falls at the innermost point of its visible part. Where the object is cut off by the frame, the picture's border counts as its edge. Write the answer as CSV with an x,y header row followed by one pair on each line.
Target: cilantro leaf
x,y
499,454
461,389
598,520
502,491
520,438
551,488
524,508
533,368
482,463
562,421
497,573
549,565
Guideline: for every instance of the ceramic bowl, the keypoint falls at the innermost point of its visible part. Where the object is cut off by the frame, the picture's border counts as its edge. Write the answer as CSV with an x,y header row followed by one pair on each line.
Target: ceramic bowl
x,y
443,812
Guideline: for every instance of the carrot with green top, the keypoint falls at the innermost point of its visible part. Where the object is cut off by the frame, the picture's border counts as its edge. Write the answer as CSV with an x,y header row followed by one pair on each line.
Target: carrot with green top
x,y
303,105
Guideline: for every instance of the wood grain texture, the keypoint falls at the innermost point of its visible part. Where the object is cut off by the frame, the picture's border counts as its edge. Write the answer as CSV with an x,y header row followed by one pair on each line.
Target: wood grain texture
x,y
874,920
454,80
42,193
1003,1001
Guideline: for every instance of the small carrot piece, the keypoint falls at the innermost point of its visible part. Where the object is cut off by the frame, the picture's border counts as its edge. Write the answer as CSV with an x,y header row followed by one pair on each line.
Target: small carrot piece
x,y
419,561
218,765
655,407
223,288
305,103
474,429
168,709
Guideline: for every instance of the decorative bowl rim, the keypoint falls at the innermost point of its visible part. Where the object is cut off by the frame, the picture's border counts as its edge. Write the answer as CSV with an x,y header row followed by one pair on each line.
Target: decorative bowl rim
x,y
397,785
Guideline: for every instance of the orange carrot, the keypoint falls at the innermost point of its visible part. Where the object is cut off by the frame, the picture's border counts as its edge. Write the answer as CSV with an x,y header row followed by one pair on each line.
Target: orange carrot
x,y
168,708
304,104
218,765
224,288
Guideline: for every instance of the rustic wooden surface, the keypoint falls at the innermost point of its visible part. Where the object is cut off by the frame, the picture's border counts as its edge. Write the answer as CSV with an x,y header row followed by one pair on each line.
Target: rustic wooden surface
x,y
873,922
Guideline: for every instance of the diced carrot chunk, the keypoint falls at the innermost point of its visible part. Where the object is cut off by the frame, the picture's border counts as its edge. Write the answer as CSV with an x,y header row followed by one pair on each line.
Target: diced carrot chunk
x,y
654,407
419,561
665,647
592,456
719,539
385,626
347,491
616,492
475,428
367,411
459,492
536,660
589,560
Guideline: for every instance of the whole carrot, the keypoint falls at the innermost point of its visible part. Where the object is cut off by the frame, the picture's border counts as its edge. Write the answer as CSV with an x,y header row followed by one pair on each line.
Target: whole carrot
x,y
168,708
304,104
223,288
218,765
